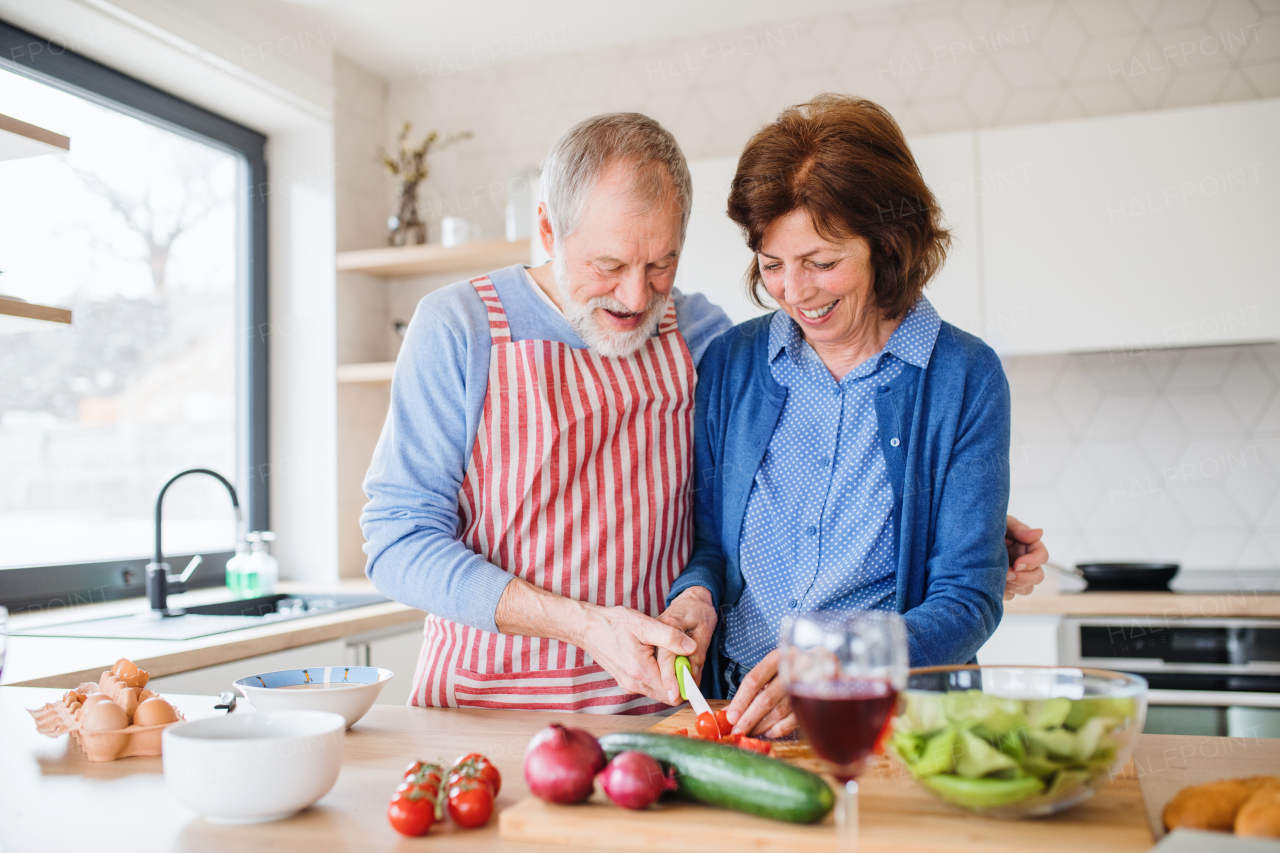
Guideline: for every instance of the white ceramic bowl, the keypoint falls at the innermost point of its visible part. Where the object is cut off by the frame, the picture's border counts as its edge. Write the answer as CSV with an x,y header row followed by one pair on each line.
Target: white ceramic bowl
x,y
346,690
251,768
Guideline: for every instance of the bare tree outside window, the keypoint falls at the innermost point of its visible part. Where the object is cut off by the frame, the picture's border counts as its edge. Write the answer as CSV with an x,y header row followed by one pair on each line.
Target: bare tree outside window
x,y
135,230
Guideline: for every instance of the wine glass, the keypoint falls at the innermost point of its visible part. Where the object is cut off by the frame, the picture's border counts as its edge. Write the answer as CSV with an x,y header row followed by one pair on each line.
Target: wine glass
x,y
844,671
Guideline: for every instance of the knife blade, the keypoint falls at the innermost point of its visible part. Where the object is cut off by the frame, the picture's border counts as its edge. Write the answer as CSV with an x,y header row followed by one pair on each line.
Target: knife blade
x,y
689,687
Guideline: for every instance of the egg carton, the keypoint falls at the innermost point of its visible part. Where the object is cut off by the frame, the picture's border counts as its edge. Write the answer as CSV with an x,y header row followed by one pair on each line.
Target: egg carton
x,y
63,717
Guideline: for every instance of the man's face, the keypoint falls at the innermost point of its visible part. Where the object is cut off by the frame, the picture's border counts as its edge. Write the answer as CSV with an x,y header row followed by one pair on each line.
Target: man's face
x,y
617,268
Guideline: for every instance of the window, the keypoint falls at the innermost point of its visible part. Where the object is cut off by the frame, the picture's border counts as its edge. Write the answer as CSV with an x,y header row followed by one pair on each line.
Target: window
x,y
149,230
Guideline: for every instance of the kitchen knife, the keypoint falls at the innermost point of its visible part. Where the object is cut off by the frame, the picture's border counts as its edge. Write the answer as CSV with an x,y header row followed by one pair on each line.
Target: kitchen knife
x,y
689,688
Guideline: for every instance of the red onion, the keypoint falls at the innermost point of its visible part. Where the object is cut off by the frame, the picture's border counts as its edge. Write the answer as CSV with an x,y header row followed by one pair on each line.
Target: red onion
x,y
560,764
634,780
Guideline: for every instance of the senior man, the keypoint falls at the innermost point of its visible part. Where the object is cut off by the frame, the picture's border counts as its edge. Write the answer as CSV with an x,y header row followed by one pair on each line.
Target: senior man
x,y
531,487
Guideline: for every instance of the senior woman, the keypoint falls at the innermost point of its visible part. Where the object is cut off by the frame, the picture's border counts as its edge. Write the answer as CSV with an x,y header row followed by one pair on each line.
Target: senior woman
x,y
851,448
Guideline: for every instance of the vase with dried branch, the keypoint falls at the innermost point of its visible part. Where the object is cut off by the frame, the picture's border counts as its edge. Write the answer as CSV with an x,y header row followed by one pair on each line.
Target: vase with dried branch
x,y
409,165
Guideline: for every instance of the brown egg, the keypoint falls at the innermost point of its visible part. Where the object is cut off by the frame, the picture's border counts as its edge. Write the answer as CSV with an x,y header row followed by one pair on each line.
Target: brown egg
x,y
154,712
93,699
138,678
124,668
104,717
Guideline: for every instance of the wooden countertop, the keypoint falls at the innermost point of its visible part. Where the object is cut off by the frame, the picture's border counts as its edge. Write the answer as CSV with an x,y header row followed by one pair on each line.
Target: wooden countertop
x,y
49,792
65,662
52,798
1166,605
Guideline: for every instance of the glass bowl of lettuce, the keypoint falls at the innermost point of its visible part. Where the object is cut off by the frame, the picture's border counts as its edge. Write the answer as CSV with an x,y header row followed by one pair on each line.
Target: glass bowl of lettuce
x,y
1016,741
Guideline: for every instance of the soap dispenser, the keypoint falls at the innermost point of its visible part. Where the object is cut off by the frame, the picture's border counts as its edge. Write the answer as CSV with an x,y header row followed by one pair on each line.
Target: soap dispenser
x,y
239,579
265,566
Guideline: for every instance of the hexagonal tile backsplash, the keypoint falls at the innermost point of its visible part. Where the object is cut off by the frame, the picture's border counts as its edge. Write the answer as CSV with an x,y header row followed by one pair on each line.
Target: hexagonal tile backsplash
x,y
1171,455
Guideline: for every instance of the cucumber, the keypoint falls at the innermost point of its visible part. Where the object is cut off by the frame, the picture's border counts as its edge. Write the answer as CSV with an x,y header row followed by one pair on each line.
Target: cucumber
x,y
721,775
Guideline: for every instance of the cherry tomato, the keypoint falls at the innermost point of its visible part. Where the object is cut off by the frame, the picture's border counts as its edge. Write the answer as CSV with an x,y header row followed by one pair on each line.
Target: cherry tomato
x,y
470,803
763,747
707,727
412,811
722,721
475,764
682,732
733,738
420,772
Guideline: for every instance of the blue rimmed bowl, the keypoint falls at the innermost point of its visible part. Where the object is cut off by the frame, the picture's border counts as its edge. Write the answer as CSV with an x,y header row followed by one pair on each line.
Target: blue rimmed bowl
x,y
346,690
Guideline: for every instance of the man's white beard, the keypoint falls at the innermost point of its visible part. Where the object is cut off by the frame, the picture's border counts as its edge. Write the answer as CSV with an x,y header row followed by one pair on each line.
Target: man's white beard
x,y
591,328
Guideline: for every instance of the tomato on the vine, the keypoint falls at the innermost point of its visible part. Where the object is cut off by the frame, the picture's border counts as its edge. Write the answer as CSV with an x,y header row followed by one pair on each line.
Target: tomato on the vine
x,y
477,766
422,773
470,803
412,810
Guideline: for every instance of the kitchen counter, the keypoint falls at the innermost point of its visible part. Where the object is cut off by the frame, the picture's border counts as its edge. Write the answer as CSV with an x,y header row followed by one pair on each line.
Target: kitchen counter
x,y
67,661
1165,605
51,798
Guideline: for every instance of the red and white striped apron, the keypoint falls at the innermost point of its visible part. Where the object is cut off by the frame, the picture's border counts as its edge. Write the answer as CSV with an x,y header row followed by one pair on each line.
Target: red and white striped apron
x,y
579,482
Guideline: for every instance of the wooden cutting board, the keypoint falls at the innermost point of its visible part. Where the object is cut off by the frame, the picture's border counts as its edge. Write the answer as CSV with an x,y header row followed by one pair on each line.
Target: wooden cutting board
x,y
896,817
1165,764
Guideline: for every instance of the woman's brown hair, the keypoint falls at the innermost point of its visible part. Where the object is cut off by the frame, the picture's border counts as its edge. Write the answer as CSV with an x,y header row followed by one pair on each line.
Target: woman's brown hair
x,y
846,162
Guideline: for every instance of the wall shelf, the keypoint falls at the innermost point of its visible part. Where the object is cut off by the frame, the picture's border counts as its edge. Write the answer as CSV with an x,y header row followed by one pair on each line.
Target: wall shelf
x,y
429,259
374,372
32,311
19,139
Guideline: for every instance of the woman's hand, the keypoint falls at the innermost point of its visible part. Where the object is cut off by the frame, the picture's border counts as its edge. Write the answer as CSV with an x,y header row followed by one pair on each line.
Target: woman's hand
x,y
690,613
1026,555
762,706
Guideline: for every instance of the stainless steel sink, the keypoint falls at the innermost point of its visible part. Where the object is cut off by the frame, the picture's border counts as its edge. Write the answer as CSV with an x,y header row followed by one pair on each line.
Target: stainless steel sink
x,y
206,619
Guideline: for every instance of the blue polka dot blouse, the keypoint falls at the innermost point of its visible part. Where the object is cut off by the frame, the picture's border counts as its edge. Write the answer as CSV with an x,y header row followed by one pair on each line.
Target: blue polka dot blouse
x,y
818,532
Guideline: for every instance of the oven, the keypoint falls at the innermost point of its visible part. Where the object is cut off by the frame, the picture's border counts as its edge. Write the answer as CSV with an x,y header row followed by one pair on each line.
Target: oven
x,y
1208,676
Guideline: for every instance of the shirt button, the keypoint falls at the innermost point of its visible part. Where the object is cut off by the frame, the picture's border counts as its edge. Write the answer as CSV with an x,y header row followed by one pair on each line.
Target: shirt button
x,y
794,603
824,461
893,442
812,531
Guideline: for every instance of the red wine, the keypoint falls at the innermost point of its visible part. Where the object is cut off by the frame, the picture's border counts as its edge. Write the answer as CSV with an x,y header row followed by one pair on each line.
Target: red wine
x,y
843,719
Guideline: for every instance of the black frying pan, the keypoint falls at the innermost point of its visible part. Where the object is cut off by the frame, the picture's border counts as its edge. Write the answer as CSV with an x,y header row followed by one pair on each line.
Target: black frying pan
x,y
1122,577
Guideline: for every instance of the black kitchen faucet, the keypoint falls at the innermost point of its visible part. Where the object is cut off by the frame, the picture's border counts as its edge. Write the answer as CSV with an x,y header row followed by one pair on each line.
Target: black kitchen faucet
x,y
159,581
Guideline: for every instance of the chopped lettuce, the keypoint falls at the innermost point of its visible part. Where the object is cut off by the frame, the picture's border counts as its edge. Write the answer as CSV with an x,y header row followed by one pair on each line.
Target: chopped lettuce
x,y
978,758
983,793
1048,714
981,751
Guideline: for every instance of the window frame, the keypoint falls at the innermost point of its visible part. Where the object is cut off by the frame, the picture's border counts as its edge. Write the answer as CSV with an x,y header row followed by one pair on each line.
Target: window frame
x,y
52,63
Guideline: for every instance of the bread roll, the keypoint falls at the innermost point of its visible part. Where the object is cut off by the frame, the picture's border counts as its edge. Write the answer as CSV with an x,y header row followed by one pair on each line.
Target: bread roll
x,y
1211,806
1259,816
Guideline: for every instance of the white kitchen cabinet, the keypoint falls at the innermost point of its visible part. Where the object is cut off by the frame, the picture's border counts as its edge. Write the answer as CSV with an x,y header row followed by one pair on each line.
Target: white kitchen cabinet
x,y
395,649
1140,231
947,162
212,680
1023,640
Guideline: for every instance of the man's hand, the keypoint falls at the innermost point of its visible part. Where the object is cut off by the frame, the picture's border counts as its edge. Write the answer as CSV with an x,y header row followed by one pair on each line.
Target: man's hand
x,y
1026,555
762,706
690,613
624,642
629,645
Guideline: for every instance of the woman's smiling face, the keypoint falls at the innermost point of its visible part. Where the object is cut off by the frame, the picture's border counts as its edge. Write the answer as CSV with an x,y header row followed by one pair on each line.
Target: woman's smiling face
x,y
825,286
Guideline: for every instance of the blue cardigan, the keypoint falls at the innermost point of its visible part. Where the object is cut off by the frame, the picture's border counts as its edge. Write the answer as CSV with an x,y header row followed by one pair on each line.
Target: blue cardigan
x,y
949,471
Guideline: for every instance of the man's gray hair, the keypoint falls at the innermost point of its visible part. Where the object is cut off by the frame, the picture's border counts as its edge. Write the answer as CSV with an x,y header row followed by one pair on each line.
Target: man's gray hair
x,y
586,151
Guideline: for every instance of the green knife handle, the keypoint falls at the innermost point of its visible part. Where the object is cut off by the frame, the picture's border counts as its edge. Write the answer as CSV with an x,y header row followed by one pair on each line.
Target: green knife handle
x,y
682,662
